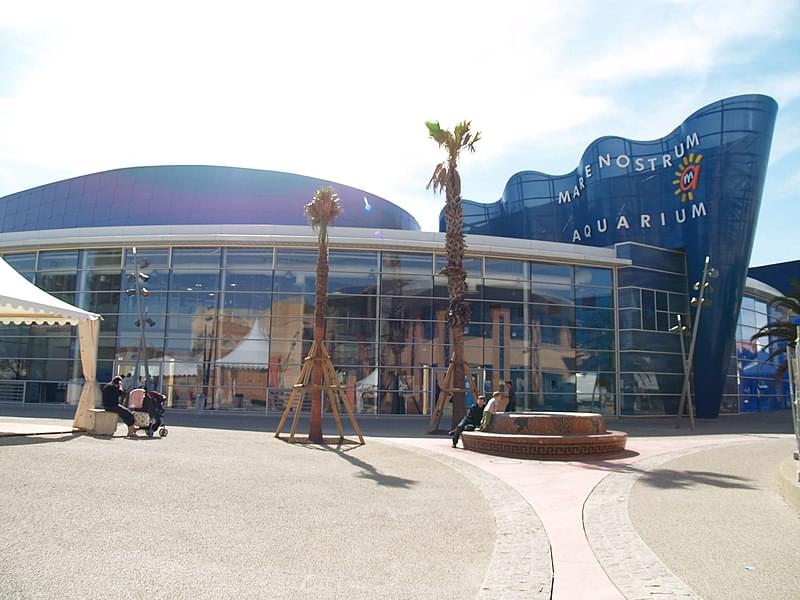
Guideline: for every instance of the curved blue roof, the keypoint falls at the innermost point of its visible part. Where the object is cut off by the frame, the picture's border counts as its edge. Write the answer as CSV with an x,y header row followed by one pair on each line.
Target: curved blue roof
x,y
189,195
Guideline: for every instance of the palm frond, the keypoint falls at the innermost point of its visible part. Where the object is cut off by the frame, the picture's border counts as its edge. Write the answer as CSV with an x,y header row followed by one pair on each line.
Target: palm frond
x,y
323,209
436,133
439,178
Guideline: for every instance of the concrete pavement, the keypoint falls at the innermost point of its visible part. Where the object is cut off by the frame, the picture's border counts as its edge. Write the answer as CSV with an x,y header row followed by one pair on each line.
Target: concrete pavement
x,y
585,516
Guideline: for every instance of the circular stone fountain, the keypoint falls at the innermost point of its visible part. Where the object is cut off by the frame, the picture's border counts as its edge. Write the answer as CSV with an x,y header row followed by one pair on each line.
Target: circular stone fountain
x,y
545,435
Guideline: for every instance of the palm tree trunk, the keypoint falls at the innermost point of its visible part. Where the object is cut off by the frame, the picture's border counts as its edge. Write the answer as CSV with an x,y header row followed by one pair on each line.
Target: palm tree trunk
x,y
320,309
458,312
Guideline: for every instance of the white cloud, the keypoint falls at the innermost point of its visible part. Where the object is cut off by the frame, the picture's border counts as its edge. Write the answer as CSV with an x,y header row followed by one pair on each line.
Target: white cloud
x,y
341,90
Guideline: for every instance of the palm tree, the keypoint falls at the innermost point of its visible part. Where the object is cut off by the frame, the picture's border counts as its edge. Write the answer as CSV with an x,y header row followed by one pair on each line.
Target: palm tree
x,y
445,177
321,213
782,333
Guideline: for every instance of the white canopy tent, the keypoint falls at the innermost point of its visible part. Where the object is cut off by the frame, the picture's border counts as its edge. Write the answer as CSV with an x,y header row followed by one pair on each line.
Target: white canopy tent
x,y
22,303
252,352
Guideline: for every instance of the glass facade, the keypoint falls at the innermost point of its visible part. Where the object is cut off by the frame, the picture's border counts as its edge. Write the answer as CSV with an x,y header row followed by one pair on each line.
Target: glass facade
x,y
228,327
752,384
651,295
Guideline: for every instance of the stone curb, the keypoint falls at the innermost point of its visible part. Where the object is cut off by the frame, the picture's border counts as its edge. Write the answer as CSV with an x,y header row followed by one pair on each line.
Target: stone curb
x,y
790,485
521,566
629,563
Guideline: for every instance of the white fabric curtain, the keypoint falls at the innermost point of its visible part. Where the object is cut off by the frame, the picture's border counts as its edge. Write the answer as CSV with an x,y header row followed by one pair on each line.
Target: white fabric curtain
x,y
88,332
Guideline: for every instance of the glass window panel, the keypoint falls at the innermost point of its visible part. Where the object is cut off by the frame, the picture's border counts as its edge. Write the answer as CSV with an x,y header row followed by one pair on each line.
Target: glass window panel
x,y
552,293
351,307
60,260
594,276
648,309
155,303
551,273
552,357
353,283
248,258
594,338
405,332
552,314
100,282
509,312
351,354
508,290
650,362
148,258
157,279
629,297
354,330
396,262
662,321
652,382
57,282
97,260
196,258
194,281
296,260
248,281
191,302
353,261
101,302
630,319
594,360
661,301
296,282
747,317
552,336
245,304
292,305
591,296
677,303
21,262
598,318
406,285
505,269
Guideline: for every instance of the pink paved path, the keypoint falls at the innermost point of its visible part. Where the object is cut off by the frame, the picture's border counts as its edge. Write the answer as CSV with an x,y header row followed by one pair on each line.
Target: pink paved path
x,y
557,491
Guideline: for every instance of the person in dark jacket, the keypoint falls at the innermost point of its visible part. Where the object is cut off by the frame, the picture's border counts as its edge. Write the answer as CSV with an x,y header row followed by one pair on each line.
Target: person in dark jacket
x,y
472,420
512,397
112,394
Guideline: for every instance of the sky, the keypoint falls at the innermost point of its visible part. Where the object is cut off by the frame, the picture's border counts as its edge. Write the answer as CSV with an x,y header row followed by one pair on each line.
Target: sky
x,y
341,90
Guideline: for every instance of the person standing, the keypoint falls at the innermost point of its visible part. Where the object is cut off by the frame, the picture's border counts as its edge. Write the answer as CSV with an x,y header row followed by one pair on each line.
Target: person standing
x,y
511,395
112,394
471,420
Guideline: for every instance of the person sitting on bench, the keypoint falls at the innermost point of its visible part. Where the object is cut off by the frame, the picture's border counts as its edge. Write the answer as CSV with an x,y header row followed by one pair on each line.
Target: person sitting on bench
x,y
471,421
112,394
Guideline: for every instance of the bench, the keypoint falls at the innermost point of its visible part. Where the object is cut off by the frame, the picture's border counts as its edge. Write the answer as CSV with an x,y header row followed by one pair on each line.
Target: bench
x,y
101,422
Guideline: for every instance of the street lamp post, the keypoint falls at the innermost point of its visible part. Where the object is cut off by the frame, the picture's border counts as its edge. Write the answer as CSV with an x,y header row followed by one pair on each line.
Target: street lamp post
x,y
138,290
701,287
682,329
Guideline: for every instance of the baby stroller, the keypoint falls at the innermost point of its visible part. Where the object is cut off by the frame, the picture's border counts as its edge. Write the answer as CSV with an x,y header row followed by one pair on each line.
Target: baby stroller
x,y
148,410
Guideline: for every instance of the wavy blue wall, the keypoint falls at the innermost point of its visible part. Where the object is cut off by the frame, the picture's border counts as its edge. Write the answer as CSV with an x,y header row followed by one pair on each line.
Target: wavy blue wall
x,y
698,189
188,195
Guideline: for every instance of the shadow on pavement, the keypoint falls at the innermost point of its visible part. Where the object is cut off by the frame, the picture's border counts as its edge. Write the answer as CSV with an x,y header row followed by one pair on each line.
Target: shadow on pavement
x,y
344,449
669,478
27,440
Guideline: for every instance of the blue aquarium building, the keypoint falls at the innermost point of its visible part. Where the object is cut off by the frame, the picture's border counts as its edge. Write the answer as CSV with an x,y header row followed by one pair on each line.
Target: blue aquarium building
x,y
575,281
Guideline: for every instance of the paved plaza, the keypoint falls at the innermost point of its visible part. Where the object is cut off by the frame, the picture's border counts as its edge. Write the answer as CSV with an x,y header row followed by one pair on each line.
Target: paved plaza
x,y
222,509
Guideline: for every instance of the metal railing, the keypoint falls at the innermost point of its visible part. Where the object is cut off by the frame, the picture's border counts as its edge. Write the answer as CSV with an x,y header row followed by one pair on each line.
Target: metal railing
x,y
12,390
